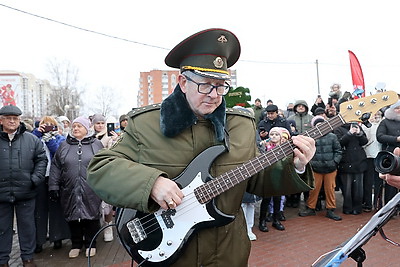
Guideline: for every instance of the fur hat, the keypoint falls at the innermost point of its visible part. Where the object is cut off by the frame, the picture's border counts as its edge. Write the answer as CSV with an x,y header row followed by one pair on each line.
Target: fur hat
x,y
391,114
317,119
84,121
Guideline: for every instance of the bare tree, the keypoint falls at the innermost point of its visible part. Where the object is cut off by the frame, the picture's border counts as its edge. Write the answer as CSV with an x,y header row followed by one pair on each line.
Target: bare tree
x,y
65,96
105,102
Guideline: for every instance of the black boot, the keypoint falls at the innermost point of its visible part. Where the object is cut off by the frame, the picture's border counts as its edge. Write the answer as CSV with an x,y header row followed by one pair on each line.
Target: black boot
x,y
57,244
281,216
307,212
262,225
331,215
38,249
277,224
269,217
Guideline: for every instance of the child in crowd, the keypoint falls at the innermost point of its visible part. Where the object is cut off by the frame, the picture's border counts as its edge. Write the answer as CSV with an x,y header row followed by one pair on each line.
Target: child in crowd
x,y
277,135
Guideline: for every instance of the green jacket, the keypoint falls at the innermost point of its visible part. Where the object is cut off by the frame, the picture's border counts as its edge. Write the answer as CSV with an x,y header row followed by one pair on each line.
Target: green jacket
x,y
257,113
124,176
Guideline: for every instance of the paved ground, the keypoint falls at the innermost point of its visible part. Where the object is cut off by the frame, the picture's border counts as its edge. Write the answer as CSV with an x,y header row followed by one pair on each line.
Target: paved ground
x,y
303,241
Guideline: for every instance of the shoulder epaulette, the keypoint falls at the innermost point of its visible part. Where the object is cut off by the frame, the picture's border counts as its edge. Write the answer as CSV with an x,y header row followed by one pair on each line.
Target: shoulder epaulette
x,y
144,109
241,112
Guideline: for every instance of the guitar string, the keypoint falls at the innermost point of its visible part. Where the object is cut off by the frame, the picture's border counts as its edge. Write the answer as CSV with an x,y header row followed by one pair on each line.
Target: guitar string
x,y
190,200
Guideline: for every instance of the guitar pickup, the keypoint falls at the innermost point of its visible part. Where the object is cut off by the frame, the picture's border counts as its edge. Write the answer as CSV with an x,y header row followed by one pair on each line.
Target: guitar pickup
x,y
166,216
136,230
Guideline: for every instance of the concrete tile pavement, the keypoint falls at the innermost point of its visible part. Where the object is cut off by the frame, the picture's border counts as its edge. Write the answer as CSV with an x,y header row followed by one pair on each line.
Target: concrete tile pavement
x,y
304,240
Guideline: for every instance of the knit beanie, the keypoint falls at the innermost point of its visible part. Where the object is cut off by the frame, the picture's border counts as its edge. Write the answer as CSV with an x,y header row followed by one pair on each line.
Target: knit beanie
x,y
63,118
98,117
319,111
84,121
317,119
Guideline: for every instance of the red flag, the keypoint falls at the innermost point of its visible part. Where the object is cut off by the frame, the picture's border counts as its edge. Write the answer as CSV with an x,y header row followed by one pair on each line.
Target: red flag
x,y
357,76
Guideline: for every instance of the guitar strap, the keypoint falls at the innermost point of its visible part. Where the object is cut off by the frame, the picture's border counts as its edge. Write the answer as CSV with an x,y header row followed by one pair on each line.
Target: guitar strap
x,y
226,139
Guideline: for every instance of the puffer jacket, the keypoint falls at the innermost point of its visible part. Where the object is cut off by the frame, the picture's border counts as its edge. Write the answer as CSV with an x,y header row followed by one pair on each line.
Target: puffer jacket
x,y
23,164
68,175
388,130
327,155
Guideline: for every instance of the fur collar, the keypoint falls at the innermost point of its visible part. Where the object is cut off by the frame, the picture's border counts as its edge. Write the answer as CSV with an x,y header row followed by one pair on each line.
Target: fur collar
x,y
176,116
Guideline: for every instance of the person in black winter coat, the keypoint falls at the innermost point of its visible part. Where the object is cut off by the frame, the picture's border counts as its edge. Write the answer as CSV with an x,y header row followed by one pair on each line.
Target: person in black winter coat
x,y
272,119
352,166
80,204
388,134
23,164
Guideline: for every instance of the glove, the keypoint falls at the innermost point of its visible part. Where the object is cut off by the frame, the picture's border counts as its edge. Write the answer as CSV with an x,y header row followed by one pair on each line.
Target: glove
x,y
54,195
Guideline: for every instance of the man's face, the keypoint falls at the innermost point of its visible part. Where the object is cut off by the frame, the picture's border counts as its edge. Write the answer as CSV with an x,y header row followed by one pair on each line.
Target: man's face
x,y
200,104
257,103
10,123
300,108
272,115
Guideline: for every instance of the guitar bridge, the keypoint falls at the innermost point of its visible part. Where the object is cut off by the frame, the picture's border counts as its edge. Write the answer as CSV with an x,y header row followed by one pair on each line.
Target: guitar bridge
x,y
136,230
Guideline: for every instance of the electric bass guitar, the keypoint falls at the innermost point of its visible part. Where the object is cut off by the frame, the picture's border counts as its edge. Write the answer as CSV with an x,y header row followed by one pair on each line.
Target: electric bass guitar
x,y
157,239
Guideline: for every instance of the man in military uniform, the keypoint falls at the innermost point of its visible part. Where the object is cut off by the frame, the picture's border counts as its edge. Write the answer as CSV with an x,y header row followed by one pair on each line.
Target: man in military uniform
x,y
161,140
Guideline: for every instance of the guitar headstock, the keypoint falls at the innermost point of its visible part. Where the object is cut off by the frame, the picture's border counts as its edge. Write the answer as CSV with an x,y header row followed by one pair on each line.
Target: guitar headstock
x,y
353,110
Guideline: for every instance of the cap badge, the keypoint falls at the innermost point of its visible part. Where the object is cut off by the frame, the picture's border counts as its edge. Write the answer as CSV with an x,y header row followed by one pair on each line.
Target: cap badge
x,y
222,39
218,62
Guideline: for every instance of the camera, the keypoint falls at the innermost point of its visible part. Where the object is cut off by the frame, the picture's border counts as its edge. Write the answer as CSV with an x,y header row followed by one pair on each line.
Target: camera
x,y
50,128
262,128
387,162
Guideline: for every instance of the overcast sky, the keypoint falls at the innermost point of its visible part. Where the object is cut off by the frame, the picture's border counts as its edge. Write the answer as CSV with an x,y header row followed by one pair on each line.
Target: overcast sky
x,y
280,40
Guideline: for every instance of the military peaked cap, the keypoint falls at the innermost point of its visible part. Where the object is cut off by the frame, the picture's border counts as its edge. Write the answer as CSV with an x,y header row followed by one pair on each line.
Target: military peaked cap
x,y
208,53
10,110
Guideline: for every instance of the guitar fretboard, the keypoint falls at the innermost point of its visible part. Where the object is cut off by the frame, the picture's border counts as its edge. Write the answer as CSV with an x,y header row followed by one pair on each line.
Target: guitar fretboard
x,y
227,180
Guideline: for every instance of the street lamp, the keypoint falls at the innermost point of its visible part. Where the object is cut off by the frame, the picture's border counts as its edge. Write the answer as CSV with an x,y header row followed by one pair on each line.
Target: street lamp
x,y
73,110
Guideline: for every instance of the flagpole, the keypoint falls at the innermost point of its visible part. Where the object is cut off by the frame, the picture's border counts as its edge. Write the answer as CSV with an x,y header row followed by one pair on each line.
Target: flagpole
x,y
316,63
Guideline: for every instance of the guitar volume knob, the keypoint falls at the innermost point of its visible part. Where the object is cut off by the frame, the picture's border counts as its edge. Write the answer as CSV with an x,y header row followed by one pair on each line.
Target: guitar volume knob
x,y
169,242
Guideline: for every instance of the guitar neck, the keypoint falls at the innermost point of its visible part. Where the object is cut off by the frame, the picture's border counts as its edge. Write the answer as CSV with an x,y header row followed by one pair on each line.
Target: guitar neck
x,y
225,181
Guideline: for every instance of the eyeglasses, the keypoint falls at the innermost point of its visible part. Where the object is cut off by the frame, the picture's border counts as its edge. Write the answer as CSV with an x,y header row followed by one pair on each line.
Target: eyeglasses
x,y
206,88
10,118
